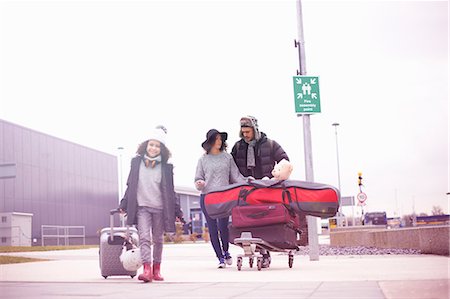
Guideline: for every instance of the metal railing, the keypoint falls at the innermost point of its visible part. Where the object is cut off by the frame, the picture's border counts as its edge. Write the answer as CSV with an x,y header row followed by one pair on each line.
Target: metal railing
x,y
64,233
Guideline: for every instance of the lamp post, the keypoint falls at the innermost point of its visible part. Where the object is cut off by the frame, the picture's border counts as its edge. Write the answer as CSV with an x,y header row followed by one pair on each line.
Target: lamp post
x,y
335,125
313,238
120,149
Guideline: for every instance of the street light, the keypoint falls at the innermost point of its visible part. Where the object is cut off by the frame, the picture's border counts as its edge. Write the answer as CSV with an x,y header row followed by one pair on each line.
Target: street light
x,y
337,155
335,125
120,149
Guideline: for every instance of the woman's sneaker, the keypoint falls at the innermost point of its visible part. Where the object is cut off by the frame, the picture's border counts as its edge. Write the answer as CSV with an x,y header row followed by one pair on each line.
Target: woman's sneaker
x,y
228,259
221,263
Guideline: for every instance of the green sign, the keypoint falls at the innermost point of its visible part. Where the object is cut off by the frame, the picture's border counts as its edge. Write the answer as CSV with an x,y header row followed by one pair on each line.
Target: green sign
x,y
306,94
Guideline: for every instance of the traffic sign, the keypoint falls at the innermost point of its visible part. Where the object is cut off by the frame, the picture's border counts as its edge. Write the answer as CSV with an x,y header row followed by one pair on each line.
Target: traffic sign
x,y
361,197
306,94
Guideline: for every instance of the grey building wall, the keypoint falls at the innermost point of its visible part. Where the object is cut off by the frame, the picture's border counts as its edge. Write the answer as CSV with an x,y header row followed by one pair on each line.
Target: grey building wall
x,y
190,204
58,181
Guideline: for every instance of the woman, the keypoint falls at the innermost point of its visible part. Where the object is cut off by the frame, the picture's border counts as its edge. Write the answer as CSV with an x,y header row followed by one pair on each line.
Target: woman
x,y
150,201
216,168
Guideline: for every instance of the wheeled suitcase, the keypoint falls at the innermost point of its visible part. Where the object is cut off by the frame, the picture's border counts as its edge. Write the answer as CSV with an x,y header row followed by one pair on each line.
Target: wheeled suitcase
x,y
262,215
112,240
280,236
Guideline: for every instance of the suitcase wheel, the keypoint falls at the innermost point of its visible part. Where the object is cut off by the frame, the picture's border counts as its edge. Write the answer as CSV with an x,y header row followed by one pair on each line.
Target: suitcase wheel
x,y
239,263
291,260
259,263
105,276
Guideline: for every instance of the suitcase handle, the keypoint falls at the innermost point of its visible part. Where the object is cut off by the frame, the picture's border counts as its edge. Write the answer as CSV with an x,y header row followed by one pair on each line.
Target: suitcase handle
x,y
266,183
114,211
259,184
111,224
259,214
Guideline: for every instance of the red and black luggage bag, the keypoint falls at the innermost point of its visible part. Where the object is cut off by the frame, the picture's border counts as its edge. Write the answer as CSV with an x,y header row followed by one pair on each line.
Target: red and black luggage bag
x,y
262,215
276,224
313,199
279,236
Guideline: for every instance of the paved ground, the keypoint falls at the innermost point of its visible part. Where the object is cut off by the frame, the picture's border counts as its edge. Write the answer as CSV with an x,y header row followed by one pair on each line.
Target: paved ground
x,y
190,272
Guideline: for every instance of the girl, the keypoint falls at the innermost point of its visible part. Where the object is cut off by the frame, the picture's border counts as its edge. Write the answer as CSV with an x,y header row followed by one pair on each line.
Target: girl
x,y
150,201
216,168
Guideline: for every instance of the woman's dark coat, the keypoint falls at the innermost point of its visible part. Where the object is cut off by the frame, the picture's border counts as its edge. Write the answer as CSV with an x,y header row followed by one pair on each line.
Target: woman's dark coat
x,y
171,204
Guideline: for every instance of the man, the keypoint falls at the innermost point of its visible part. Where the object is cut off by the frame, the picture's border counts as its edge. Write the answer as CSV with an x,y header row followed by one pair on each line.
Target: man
x,y
255,155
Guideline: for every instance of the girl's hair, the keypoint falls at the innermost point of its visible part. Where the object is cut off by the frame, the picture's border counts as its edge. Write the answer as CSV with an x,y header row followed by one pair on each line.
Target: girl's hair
x,y
209,145
165,153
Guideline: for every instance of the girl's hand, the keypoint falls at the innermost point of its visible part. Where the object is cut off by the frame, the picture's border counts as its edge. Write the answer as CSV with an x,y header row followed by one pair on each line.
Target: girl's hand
x,y
200,184
249,179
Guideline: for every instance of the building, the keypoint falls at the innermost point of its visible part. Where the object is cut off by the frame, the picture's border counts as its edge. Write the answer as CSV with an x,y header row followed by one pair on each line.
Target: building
x,y
190,205
15,229
63,190
63,184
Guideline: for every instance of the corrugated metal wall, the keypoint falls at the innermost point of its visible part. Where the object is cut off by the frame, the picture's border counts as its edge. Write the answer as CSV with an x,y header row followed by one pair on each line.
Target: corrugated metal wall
x,y
59,182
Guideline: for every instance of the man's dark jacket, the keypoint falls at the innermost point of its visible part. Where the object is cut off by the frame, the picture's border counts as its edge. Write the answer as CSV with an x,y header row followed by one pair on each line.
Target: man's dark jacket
x,y
267,152
171,204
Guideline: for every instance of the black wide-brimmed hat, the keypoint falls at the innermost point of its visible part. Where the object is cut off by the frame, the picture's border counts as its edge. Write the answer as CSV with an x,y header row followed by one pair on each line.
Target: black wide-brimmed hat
x,y
211,137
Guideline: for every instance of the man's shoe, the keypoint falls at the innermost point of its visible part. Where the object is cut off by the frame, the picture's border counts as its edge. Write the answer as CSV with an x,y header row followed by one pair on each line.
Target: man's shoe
x,y
266,261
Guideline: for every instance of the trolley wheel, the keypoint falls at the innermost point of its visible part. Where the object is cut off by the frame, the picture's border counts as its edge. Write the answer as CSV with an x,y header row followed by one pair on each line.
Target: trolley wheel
x,y
259,263
132,276
250,261
291,260
105,277
239,263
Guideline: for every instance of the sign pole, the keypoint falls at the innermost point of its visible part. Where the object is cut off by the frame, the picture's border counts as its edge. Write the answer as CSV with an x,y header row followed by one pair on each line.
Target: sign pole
x,y
313,238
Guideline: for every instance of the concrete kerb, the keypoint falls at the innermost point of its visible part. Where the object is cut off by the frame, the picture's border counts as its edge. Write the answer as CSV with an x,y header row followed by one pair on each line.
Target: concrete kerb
x,y
430,239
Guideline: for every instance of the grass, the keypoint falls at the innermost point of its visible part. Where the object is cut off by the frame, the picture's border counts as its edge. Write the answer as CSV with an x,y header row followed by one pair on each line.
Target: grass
x,y
43,248
5,259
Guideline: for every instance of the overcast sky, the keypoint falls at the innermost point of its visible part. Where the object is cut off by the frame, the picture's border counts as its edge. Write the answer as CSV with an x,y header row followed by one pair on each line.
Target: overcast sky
x,y
103,73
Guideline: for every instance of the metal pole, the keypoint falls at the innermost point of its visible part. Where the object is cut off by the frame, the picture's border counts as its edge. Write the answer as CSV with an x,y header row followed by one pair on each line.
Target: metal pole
x,y
337,157
120,173
122,218
338,168
313,238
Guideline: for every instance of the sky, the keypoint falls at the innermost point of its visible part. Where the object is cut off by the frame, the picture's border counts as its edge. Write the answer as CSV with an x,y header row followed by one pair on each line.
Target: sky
x,y
104,73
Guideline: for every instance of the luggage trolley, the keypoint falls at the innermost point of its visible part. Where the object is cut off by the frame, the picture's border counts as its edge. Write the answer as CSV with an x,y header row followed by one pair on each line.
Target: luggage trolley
x,y
253,248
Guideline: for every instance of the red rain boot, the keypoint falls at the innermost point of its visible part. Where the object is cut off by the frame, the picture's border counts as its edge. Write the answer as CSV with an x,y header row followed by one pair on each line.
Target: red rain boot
x,y
157,272
147,276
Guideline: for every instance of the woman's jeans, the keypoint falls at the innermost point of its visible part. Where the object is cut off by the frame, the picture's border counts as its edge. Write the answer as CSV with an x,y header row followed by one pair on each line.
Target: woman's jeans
x,y
218,228
151,231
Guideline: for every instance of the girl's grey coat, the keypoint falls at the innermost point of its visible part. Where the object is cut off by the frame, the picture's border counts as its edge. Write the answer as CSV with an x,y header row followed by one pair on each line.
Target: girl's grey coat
x,y
171,204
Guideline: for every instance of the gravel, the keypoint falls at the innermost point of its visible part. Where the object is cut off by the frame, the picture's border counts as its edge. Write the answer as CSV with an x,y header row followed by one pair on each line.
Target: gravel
x,y
357,250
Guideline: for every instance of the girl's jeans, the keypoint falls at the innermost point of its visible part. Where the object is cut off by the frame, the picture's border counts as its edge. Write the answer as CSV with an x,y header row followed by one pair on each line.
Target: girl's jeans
x,y
151,231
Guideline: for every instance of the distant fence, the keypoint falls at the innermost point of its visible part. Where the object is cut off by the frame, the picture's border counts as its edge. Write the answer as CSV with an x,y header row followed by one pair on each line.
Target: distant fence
x,y
433,220
62,234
